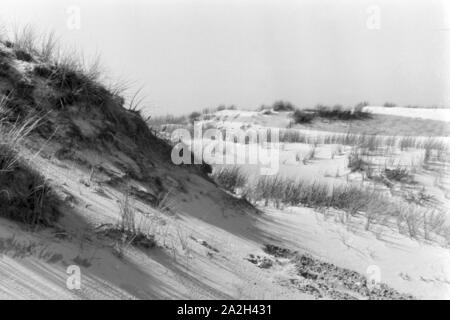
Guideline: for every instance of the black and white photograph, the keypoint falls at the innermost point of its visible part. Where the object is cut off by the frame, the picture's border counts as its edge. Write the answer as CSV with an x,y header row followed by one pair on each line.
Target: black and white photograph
x,y
247,151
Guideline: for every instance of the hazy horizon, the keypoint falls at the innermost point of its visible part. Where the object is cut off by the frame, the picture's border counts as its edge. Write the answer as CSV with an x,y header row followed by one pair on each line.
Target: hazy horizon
x,y
190,55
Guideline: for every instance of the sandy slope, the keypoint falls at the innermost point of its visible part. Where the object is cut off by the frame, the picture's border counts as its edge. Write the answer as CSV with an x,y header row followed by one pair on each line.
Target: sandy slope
x,y
203,249
33,264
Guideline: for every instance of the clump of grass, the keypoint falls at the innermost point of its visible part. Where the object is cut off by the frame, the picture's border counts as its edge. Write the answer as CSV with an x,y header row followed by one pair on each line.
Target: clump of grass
x,y
67,79
127,221
356,163
278,190
421,197
434,144
230,178
311,155
361,105
408,142
351,199
76,79
337,112
126,233
23,55
399,174
282,106
267,112
25,195
194,116
224,107
434,222
371,143
291,136
270,188
300,116
411,217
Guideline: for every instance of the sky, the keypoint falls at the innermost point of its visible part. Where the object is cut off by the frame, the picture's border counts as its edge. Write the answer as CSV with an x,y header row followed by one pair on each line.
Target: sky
x,y
188,55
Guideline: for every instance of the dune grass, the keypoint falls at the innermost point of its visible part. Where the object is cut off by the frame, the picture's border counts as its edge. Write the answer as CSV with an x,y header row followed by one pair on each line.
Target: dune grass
x,y
25,195
336,112
350,199
127,232
230,178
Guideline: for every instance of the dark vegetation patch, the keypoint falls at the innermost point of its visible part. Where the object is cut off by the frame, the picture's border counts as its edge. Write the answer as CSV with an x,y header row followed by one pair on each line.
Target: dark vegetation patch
x,y
205,244
23,55
128,237
389,105
301,116
230,178
334,113
260,262
194,116
399,174
339,113
62,88
356,163
326,280
281,106
25,195
278,252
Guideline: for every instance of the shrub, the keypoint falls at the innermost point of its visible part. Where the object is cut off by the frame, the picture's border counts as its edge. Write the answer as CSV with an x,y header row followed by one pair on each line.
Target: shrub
x,y
206,111
361,105
26,196
337,112
389,105
283,106
300,116
194,116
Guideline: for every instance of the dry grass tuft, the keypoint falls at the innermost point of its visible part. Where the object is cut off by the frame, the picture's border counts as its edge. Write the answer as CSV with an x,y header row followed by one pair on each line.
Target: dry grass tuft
x,y
230,178
25,195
